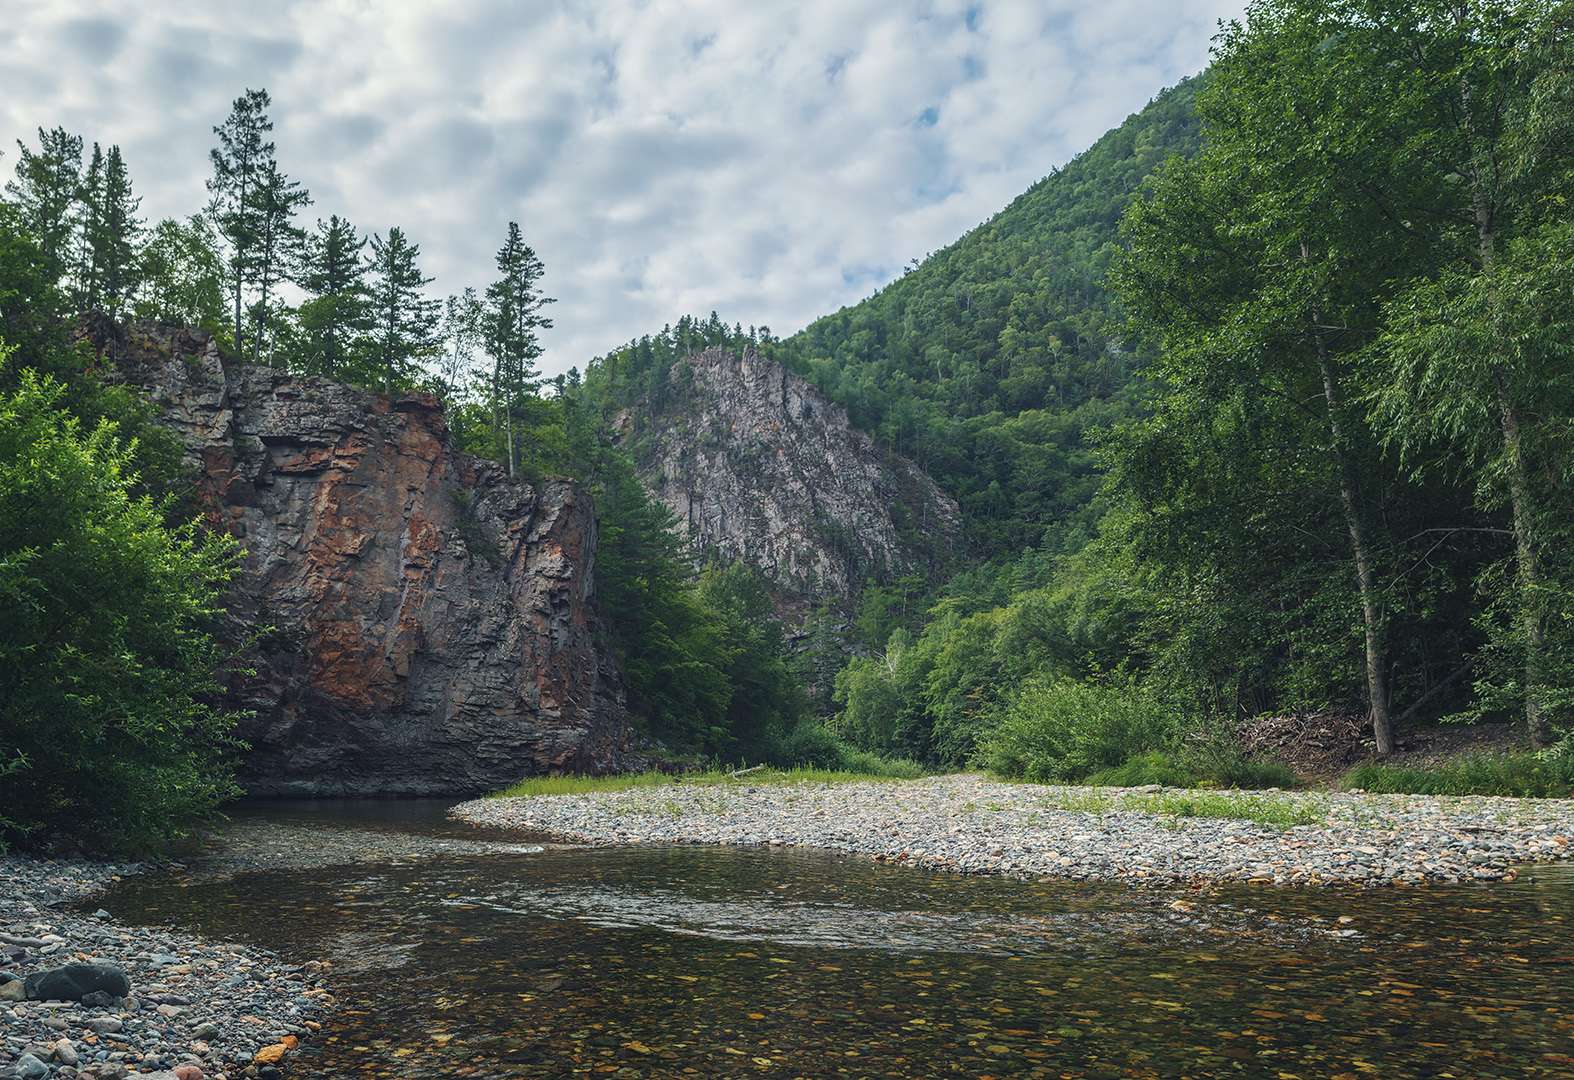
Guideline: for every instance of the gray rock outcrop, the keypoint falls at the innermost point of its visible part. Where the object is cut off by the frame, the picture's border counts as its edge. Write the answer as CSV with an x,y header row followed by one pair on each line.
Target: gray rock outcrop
x,y
758,466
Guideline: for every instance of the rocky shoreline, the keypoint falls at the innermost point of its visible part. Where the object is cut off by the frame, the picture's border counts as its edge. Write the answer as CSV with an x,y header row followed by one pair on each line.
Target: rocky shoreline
x,y
194,1009
971,825
198,1009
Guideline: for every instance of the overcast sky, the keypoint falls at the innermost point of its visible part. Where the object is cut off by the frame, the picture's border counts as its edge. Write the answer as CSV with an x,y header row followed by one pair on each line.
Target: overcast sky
x,y
771,160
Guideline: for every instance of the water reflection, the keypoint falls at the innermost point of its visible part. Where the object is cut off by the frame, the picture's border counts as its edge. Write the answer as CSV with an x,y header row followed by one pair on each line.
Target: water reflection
x,y
686,962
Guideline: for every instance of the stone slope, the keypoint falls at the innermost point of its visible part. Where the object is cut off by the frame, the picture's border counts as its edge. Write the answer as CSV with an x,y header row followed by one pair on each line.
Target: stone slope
x,y
758,466
432,622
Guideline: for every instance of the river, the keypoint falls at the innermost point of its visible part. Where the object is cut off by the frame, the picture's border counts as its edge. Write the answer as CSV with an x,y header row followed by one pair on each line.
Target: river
x,y
458,953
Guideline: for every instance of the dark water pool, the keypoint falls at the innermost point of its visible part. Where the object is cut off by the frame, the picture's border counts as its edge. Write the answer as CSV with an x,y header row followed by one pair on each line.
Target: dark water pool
x,y
687,962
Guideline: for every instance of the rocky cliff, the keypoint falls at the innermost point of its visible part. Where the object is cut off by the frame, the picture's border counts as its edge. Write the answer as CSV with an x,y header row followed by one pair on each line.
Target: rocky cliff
x,y
430,625
759,466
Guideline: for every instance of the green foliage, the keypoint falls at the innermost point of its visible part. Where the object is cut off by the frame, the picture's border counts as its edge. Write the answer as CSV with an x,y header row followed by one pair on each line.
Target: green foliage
x,y
1153,767
46,191
105,643
182,277
1059,730
404,323
882,698
717,776
765,697
674,652
1526,776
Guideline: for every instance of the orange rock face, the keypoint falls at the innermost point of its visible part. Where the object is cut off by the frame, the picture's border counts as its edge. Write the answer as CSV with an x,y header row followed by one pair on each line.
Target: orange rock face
x,y
424,625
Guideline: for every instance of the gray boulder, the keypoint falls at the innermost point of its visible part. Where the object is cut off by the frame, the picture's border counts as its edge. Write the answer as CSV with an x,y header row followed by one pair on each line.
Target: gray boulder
x,y
75,981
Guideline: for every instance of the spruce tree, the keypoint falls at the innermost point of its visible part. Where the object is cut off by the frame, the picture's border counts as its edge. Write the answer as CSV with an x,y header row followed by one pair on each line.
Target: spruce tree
x,y
89,205
513,315
404,321
238,162
46,190
335,320
279,248
112,239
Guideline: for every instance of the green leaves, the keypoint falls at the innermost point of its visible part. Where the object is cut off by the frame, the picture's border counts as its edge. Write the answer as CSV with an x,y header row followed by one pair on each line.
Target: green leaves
x,y
104,639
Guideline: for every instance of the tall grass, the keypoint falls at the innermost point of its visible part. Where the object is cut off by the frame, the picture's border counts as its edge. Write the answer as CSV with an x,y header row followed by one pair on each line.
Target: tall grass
x,y
1272,810
1528,776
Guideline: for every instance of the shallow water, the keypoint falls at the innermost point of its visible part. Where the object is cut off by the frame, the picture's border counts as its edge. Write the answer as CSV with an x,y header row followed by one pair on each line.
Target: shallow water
x,y
696,961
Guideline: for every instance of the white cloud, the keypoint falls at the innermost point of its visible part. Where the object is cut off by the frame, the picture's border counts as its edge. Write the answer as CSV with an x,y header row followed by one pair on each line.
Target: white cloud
x,y
770,161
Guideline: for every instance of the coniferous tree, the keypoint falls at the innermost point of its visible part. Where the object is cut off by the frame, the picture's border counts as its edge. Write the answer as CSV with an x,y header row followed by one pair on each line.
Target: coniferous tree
x,y
404,321
89,205
334,321
114,236
238,164
278,249
513,315
46,189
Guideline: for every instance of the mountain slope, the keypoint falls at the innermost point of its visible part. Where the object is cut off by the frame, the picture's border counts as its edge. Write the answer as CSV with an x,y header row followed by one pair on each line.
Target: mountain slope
x,y
987,364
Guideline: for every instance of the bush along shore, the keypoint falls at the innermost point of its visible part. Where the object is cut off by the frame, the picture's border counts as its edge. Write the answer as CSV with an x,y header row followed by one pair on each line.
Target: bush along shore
x,y
1152,836
82,996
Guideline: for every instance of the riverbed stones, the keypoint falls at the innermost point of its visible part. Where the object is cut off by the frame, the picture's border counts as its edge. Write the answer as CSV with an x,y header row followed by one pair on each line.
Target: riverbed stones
x,y
968,824
238,997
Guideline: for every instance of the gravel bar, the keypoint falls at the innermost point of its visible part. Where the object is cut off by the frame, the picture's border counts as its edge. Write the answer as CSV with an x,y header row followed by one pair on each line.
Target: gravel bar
x,y
197,1009
970,825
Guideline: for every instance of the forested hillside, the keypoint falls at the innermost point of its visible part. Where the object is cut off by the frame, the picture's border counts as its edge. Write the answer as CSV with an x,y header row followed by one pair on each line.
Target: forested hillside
x,y
988,363
1345,486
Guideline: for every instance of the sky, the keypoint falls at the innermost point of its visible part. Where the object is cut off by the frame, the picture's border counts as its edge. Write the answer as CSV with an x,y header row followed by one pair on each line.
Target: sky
x,y
770,160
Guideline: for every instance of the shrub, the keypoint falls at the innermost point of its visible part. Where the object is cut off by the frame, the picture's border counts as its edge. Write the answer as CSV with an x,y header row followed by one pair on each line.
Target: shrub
x,y
1059,730
105,649
811,745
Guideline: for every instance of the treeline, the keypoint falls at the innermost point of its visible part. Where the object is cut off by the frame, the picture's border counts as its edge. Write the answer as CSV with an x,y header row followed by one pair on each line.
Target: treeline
x,y
1347,484
361,310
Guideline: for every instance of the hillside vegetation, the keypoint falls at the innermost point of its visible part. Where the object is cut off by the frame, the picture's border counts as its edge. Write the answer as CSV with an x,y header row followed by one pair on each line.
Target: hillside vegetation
x,y
989,362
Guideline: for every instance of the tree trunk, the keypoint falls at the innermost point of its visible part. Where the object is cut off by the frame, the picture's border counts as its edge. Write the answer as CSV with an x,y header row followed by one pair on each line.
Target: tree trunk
x,y
1365,574
1532,625
1485,208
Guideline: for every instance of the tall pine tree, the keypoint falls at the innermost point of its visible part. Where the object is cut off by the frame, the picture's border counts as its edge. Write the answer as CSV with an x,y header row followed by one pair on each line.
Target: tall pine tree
x,y
513,315
404,320
238,163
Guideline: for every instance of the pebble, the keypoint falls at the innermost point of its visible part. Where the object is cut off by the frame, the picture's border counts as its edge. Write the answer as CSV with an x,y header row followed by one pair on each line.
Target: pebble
x,y
967,824
199,1009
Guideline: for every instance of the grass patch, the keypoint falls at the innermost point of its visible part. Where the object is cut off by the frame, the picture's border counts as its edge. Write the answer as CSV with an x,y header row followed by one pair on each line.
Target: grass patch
x,y
1280,813
1079,801
718,777
1212,771
1150,768
1525,776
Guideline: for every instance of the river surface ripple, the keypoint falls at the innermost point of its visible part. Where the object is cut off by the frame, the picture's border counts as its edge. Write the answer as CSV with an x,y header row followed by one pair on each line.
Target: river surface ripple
x,y
459,952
